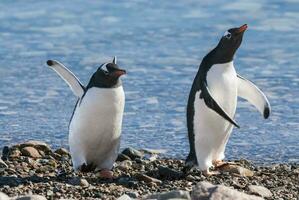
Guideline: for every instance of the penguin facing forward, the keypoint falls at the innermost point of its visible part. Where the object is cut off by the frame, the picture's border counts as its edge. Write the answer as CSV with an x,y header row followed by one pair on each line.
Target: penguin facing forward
x,y
95,125
213,100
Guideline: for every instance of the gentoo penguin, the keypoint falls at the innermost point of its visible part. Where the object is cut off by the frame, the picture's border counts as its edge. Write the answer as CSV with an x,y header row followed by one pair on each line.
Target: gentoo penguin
x,y
95,125
213,99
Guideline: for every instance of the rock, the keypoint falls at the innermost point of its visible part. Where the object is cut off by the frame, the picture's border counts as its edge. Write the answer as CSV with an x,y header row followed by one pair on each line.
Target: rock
x,y
42,146
259,190
62,152
132,153
125,165
122,157
84,183
154,151
3,165
148,179
79,181
176,194
235,169
133,195
14,153
5,153
207,191
166,172
30,197
124,197
3,196
30,152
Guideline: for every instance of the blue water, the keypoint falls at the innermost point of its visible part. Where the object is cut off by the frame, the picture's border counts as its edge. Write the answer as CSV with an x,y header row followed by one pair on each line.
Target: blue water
x,y
161,44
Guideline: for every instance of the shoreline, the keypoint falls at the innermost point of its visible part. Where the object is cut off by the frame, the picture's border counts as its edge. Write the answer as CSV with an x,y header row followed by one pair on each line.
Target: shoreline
x,y
34,168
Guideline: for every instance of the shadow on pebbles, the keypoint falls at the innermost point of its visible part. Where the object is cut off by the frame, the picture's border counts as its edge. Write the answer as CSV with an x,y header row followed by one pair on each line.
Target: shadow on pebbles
x,y
32,170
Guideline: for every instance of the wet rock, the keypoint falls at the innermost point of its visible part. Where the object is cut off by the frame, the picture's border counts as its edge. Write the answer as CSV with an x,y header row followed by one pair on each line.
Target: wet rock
x,y
5,153
235,169
122,157
176,194
62,152
207,191
30,152
3,196
133,195
30,197
166,172
147,179
154,151
124,197
42,146
259,190
132,153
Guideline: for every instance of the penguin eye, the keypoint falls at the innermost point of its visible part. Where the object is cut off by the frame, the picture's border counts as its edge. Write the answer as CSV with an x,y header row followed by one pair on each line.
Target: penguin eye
x,y
227,35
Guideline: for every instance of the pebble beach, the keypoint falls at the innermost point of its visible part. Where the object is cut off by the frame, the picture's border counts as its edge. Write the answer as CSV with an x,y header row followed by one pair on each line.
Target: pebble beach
x,y
33,168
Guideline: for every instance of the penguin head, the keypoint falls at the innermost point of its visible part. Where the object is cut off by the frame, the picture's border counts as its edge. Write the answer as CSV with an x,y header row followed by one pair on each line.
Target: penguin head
x,y
107,75
230,42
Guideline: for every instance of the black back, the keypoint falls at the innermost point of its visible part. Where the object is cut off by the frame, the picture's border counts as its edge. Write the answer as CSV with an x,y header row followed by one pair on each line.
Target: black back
x,y
222,53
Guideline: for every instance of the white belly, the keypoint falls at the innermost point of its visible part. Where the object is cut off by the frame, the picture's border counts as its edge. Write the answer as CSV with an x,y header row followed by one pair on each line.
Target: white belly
x,y
211,130
95,128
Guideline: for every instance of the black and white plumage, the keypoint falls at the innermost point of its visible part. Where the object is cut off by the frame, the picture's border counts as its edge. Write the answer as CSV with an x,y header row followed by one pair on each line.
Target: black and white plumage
x,y
213,100
95,126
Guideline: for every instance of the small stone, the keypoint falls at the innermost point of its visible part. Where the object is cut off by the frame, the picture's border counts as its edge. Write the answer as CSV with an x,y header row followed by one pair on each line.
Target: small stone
x,y
132,153
176,194
42,146
206,190
124,197
122,157
148,179
84,183
260,190
166,172
31,197
190,178
3,165
79,182
3,196
125,165
62,152
31,152
133,195
14,153
235,169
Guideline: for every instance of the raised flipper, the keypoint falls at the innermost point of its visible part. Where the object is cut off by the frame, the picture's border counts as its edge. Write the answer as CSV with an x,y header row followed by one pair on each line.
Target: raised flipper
x,y
211,103
249,91
68,77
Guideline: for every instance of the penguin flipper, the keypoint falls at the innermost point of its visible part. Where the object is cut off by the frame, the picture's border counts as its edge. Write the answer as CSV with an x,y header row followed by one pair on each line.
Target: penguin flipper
x,y
250,92
211,103
73,82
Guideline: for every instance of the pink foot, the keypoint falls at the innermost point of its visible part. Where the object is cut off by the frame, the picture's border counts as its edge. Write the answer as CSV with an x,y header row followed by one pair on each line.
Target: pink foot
x,y
106,173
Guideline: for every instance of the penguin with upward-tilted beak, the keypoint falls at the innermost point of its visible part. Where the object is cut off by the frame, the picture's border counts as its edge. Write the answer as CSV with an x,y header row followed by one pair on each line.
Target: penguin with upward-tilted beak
x,y
95,126
213,100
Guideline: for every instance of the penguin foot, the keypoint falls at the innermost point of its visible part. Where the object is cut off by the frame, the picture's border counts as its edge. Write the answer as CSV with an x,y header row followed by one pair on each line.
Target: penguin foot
x,y
210,173
221,163
218,163
106,173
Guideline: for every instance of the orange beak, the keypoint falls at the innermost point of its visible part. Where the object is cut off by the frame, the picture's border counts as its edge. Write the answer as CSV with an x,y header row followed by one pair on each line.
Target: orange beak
x,y
242,28
119,72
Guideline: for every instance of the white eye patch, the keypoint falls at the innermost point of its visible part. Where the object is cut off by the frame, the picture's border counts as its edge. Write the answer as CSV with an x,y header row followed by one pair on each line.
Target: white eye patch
x,y
227,34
